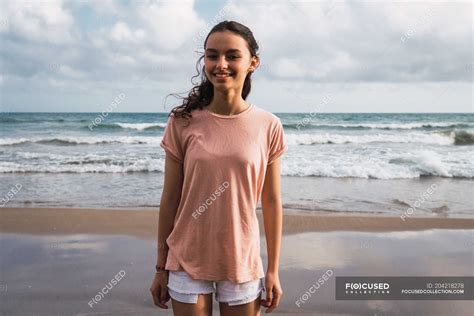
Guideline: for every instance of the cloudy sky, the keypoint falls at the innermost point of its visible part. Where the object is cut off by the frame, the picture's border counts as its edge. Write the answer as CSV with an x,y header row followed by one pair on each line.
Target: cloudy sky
x,y
325,56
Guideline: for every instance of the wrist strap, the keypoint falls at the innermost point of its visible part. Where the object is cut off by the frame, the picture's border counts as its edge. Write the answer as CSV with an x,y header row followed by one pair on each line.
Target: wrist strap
x,y
160,269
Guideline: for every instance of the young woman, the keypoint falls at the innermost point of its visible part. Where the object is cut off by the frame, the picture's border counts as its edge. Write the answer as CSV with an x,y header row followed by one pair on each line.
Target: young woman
x,y
222,155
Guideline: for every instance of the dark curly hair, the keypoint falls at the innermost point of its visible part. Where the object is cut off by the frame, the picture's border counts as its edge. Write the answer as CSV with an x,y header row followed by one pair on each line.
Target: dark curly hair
x,y
202,93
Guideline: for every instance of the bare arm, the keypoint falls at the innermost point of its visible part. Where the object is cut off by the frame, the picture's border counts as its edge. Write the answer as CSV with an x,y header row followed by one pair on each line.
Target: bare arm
x,y
272,218
272,214
169,202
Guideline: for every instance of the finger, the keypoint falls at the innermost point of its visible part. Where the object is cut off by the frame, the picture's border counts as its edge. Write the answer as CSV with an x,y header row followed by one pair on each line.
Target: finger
x,y
156,298
278,299
264,303
272,304
161,303
275,302
269,296
164,295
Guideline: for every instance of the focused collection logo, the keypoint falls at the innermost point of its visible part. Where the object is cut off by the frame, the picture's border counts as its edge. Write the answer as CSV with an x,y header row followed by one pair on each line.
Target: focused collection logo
x,y
367,288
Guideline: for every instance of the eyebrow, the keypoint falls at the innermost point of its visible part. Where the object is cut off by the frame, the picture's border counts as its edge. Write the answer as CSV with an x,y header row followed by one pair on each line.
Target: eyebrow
x,y
232,50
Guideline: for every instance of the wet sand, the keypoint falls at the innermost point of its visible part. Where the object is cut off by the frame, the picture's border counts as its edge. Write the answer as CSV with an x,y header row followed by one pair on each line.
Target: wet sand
x,y
143,223
54,261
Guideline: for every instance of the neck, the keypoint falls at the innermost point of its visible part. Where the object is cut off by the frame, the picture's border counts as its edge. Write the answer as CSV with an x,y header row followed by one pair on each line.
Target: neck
x,y
227,103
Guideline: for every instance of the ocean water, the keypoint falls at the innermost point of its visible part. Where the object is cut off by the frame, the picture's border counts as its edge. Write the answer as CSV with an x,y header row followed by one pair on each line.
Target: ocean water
x,y
121,153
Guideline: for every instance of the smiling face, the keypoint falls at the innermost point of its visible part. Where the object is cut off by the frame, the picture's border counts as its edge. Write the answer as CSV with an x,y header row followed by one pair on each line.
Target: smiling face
x,y
227,60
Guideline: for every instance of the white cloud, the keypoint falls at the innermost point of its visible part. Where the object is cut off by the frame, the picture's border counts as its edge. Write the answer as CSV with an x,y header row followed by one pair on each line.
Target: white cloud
x,y
38,21
289,68
121,32
303,44
171,24
361,41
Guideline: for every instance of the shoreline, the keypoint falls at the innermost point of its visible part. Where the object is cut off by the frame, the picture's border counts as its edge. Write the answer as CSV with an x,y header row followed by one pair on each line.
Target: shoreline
x,y
144,223
51,249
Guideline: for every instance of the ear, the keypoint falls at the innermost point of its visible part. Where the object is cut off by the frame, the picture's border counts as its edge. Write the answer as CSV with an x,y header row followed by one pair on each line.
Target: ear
x,y
254,63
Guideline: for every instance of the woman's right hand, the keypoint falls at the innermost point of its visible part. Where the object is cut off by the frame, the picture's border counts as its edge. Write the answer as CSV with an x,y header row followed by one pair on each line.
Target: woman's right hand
x,y
159,289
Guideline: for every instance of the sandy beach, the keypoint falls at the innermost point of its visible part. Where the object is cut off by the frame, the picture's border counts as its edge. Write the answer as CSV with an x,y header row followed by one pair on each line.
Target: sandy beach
x,y
54,261
143,223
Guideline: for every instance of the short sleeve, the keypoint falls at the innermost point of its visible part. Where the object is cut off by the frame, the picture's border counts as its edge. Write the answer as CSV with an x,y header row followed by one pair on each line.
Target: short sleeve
x,y
277,142
172,141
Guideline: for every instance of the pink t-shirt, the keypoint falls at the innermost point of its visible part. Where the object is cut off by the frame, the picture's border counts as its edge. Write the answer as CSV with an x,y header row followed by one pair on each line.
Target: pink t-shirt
x,y
216,233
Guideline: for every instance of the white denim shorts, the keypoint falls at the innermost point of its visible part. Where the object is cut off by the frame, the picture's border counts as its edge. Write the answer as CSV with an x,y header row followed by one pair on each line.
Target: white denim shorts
x,y
183,288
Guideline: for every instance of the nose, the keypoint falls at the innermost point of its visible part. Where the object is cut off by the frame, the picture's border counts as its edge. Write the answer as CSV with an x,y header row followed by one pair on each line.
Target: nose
x,y
221,63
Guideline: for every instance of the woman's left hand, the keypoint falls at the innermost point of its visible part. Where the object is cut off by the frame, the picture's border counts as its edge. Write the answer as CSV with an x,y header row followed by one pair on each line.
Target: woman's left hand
x,y
273,290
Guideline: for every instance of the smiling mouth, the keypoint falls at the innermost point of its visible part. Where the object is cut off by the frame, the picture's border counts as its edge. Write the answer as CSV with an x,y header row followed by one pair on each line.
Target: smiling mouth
x,y
223,75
